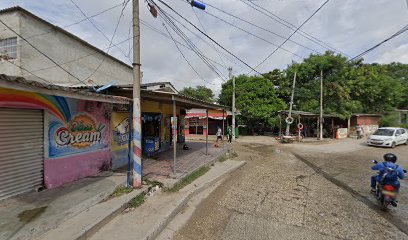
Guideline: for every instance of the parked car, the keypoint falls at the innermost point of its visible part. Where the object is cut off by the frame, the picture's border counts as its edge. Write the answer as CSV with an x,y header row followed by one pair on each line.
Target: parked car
x,y
388,137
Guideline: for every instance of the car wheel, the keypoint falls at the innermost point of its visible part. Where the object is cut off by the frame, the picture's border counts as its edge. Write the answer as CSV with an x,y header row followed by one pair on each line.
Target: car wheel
x,y
406,142
393,145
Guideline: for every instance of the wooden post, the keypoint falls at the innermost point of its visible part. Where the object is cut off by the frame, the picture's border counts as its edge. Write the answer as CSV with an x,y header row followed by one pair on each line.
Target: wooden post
x,y
348,127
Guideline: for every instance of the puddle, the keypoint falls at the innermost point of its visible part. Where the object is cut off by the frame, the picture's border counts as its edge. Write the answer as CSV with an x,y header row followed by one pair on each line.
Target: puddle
x,y
29,215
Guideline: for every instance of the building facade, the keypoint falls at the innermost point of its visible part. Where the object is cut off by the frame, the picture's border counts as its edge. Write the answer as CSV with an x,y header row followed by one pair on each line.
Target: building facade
x,y
86,62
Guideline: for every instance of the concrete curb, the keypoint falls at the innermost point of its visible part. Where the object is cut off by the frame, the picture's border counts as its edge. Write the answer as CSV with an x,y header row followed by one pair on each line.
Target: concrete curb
x,y
85,224
162,224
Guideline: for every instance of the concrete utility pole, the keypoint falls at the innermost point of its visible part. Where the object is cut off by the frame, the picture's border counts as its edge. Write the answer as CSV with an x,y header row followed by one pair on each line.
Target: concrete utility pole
x,y
137,133
233,102
291,105
321,106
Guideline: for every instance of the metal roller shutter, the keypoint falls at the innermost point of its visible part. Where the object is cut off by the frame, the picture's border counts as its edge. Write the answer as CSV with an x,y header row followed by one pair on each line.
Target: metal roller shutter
x,y
21,151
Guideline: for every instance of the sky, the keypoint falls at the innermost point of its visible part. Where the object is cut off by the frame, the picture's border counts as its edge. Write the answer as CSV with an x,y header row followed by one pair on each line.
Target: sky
x,y
349,26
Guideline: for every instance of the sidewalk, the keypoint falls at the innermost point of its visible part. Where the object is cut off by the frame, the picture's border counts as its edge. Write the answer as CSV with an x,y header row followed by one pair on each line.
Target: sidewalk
x,y
148,220
29,215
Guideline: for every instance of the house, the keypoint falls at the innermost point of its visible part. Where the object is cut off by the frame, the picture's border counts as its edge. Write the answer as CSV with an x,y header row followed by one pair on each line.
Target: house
x,y
196,121
84,63
54,127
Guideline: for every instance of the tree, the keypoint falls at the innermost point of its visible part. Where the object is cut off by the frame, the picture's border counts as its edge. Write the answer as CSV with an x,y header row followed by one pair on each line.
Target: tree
x,y
255,98
349,87
199,92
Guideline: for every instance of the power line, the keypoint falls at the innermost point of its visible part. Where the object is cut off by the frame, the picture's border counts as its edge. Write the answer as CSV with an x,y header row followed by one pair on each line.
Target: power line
x,y
314,13
202,26
219,45
45,55
78,22
175,43
254,25
289,25
254,35
177,30
24,69
181,44
113,36
399,32
98,29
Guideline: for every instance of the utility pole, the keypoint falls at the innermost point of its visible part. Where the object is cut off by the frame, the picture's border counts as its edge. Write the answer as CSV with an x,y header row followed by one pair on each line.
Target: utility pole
x,y
233,102
291,105
137,133
321,106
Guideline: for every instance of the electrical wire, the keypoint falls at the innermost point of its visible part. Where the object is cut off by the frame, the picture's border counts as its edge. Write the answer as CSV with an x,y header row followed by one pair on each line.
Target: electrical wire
x,y
78,22
178,31
24,69
42,53
179,43
191,66
210,38
304,22
399,32
256,36
98,29
252,24
291,26
202,26
125,3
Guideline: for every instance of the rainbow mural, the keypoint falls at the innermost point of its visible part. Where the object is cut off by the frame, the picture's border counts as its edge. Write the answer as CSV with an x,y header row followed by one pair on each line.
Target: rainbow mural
x,y
58,106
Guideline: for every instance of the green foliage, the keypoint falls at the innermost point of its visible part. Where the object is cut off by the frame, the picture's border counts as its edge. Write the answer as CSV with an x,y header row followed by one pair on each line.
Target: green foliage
x,y
121,190
390,120
255,98
199,92
189,179
349,87
137,201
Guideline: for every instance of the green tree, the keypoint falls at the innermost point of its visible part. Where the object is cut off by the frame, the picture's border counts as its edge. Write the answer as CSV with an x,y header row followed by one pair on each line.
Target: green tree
x,y
199,92
256,99
349,87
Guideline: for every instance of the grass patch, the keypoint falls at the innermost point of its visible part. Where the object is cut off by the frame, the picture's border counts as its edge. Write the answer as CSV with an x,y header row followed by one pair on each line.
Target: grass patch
x,y
137,201
121,190
189,178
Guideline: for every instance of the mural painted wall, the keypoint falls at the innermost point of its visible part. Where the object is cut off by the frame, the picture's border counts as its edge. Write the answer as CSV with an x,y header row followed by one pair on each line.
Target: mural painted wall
x,y
78,134
119,139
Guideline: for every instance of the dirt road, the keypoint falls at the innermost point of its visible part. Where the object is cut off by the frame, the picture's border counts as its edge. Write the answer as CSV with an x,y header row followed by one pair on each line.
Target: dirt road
x,y
276,195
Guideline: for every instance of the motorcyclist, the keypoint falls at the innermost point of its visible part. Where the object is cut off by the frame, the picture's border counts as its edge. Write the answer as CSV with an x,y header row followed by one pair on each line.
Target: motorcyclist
x,y
391,178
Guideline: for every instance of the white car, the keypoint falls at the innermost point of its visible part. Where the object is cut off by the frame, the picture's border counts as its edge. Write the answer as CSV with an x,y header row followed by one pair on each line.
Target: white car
x,y
388,137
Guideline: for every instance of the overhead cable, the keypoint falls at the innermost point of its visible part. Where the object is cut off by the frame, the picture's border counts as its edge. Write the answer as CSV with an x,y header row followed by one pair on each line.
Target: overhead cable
x,y
399,32
304,22
42,53
206,35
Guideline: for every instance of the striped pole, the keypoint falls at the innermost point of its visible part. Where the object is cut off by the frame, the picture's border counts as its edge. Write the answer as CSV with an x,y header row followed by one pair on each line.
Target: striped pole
x,y
137,133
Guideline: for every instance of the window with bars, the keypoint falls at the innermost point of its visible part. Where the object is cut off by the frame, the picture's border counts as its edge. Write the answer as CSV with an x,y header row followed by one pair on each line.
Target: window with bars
x,y
8,48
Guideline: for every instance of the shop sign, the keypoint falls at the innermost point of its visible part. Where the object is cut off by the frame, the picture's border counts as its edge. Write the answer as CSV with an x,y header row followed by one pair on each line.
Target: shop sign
x,y
121,132
80,132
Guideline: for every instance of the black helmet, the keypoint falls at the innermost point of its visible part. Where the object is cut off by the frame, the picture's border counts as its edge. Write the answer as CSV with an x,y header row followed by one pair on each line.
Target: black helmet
x,y
390,157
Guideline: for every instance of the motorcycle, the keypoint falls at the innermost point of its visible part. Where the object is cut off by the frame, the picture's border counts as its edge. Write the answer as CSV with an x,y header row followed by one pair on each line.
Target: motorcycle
x,y
385,193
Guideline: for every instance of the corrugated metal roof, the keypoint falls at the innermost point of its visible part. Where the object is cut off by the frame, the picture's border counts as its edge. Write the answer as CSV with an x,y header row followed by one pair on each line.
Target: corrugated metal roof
x,y
34,85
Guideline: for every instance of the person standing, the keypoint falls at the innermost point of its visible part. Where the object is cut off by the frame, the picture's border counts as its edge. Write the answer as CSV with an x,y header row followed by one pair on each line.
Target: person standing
x,y
229,131
359,131
219,135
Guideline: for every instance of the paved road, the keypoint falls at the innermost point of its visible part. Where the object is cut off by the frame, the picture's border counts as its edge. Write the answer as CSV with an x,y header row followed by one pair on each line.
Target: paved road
x,y
280,196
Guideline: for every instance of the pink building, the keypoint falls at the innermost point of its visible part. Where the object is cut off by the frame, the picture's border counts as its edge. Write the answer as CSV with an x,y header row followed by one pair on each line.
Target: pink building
x,y
196,121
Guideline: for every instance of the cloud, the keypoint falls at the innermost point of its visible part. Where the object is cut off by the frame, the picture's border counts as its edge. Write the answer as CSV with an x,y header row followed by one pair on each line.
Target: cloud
x,y
350,26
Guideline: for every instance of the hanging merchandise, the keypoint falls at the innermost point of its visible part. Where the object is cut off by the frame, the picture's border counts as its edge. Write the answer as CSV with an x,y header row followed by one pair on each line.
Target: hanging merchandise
x,y
197,4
